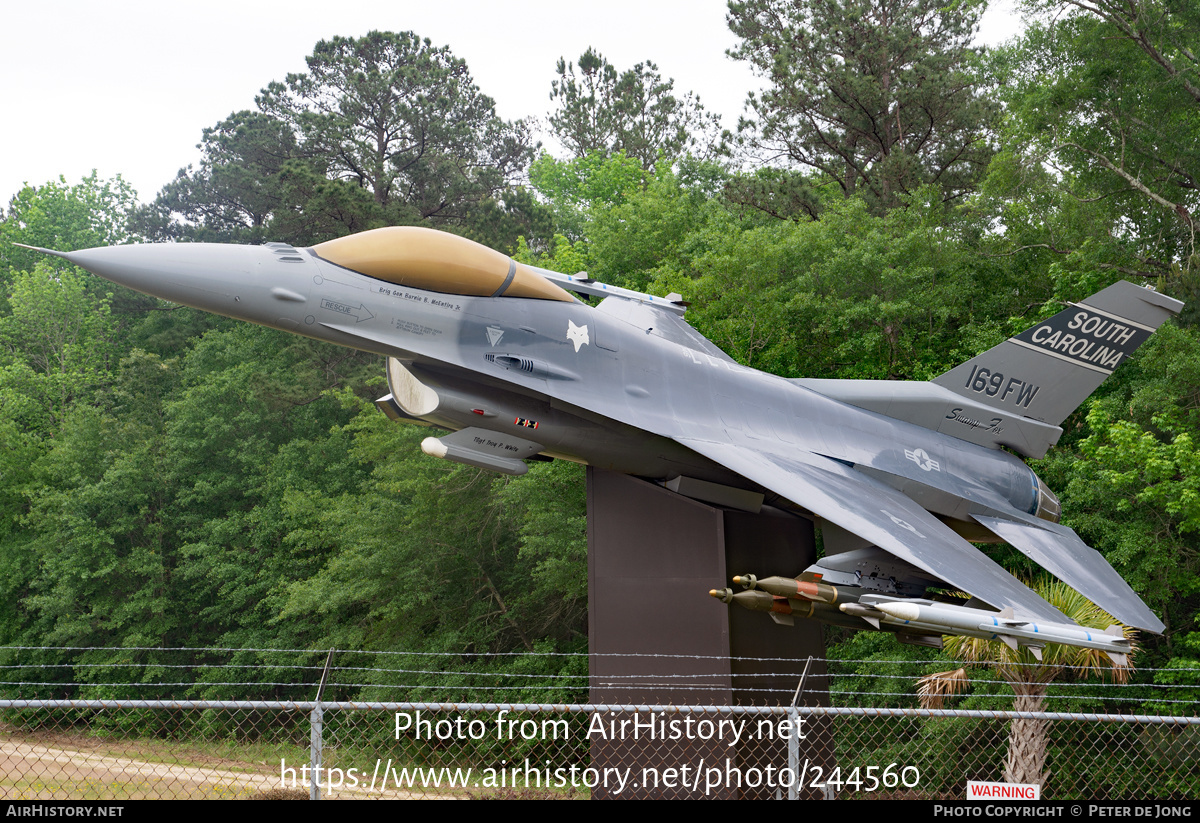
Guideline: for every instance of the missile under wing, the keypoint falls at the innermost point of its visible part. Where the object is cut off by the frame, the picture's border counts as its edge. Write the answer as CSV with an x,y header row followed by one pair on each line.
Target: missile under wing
x,y
516,367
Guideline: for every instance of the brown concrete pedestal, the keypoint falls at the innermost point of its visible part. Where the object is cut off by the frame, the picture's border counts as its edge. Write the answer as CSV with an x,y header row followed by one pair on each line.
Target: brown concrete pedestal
x,y
657,638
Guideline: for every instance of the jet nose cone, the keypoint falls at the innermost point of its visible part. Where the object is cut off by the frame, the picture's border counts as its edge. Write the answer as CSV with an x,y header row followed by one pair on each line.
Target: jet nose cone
x,y
202,275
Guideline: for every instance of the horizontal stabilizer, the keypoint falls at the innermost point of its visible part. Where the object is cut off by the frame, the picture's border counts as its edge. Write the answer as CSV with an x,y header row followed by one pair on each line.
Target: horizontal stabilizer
x,y
1062,553
939,409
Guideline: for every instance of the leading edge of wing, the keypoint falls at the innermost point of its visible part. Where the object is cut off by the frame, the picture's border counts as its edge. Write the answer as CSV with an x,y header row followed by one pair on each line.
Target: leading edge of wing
x,y
885,517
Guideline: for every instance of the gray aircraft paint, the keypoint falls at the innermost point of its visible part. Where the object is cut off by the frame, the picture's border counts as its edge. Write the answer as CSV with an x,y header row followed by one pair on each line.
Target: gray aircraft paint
x,y
628,385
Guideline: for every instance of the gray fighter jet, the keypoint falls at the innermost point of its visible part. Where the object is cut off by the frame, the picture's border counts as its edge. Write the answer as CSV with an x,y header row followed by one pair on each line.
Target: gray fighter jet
x,y
899,474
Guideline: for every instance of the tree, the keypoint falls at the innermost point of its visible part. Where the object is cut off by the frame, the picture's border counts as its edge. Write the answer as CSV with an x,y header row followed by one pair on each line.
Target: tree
x,y
1107,94
586,119
635,112
236,191
878,95
1029,678
904,295
253,185
402,120
577,189
91,213
382,130
56,346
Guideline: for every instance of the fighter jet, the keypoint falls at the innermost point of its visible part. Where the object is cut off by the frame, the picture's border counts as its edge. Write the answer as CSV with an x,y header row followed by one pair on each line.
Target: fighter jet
x,y
508,359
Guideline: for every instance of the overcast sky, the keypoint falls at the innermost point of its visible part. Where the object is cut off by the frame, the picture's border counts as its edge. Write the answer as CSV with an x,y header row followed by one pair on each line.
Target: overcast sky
x,y
126,87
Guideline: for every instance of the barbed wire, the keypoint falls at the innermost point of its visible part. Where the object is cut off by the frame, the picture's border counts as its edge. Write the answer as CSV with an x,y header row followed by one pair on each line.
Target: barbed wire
x,y
641,687
832,676
941,661
838,681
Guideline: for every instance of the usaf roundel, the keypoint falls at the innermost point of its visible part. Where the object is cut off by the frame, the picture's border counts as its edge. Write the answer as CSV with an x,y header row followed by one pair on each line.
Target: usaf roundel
x,y
923,460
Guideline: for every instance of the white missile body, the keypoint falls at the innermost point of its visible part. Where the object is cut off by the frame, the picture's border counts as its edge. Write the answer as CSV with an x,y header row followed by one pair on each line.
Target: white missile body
x,y
1008,628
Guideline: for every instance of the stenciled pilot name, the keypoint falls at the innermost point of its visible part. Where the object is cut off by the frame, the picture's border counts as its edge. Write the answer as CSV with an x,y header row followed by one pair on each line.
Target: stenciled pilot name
x,y
488,443
418,298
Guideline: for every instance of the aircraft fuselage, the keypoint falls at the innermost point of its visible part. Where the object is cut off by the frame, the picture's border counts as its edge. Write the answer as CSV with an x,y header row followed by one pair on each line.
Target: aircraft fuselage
x,y
606,386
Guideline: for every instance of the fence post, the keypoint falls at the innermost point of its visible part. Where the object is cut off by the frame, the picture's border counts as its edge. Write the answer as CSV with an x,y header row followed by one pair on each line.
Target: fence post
x,y
794,737
316,724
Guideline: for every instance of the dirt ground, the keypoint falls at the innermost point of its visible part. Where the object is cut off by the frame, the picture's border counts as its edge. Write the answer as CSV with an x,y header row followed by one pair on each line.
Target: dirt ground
x,y
57,767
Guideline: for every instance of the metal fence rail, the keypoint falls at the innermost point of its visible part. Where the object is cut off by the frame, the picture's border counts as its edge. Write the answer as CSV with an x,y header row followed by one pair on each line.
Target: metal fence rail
x,y
128,749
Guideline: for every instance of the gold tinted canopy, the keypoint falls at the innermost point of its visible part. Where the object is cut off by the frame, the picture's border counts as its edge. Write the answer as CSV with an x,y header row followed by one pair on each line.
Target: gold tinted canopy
x,y
437,261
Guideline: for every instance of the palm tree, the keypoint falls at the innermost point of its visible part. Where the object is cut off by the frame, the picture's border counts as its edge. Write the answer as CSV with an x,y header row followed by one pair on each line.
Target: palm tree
x,y
1029,678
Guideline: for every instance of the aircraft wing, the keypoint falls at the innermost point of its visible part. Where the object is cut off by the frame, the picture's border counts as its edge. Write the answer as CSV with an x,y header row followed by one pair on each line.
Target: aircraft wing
x,y
890,520
1062,553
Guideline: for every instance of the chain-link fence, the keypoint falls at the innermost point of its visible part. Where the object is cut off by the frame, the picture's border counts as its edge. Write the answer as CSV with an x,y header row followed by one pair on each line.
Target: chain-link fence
x,y
128,749
1103,745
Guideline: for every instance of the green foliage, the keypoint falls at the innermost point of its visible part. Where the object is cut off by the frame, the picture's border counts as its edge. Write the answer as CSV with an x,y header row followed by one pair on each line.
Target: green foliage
x,y
56,346
851,295
1106,96
384,129
656,231
564,257
1181,672
59,216
502,573
549,507
635,113
881,97
1134,494
578,189
873,669
780,193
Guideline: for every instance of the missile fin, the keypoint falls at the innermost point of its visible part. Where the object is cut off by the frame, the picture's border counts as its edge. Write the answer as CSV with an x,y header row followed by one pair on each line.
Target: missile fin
x,y
783,619
1036,651
1016,624
1011,642
1008,618
724,595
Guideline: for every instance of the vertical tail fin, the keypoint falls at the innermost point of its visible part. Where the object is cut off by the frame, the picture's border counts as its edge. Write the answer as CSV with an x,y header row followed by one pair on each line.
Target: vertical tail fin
x,y
1045,372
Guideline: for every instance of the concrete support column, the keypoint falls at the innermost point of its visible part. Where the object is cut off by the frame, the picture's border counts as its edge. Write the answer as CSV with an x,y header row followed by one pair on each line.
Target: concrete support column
x,y
653,555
